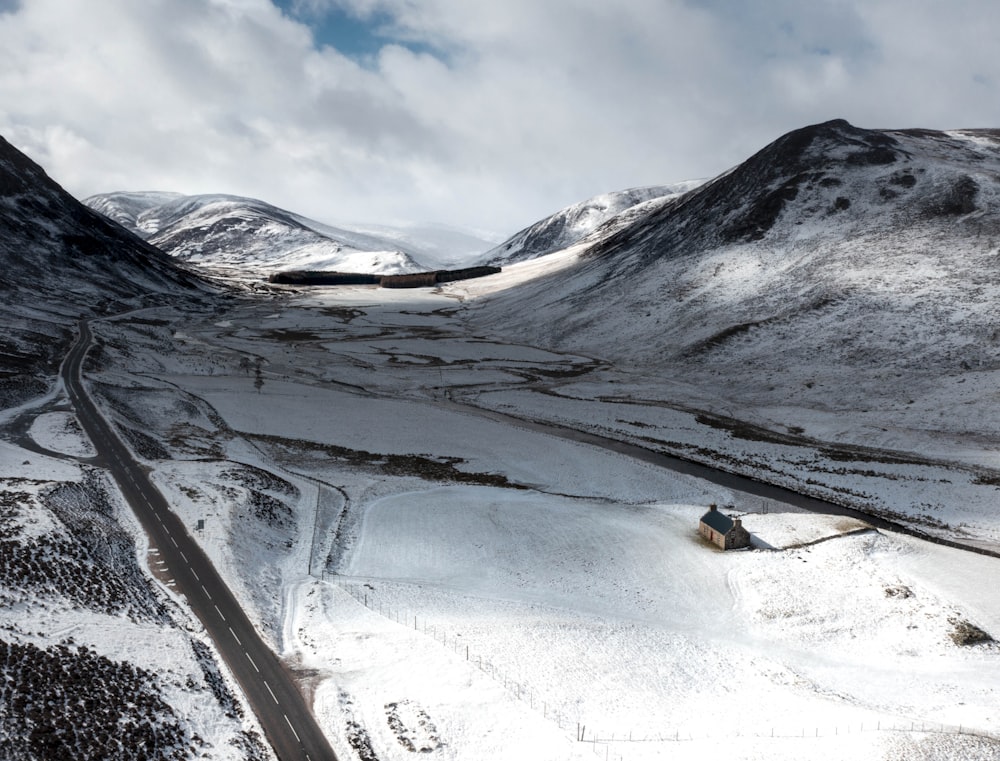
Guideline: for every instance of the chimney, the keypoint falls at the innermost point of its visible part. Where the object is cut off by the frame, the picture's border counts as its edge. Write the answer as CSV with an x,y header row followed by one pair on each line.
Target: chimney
x,y
713,508
737,523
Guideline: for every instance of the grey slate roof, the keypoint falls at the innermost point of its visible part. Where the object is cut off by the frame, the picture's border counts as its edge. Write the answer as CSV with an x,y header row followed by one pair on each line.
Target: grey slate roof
x,y
716,520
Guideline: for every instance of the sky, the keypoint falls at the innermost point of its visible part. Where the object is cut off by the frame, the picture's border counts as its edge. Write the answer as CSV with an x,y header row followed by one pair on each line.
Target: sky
x,y
477,114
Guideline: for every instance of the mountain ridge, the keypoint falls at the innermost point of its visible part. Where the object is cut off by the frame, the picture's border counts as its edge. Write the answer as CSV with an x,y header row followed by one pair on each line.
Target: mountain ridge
x,y
229,233
63,262
575,222
837,268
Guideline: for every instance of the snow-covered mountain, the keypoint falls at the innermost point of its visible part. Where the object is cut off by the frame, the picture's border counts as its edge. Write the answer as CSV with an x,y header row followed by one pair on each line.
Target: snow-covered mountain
x,y
374,446
576,222
838,268
62,261
237,235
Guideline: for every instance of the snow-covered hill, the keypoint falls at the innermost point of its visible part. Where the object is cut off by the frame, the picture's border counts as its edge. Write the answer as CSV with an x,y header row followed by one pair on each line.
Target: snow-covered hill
x,y
834,246
61,261
576,222
841,271
97,660
244,237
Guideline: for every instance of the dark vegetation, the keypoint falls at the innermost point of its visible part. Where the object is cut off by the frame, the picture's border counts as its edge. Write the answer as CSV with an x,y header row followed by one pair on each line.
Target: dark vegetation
x,y
265,495
358,739
309,277
215,681
93,564
357,735
270,510
959,199
420,466
143,444
422,738
252,477
61,703
411,280
733,331
966,634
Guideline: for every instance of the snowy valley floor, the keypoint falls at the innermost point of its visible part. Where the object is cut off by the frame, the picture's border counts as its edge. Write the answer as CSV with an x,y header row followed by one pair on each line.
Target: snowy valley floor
x,y
464,588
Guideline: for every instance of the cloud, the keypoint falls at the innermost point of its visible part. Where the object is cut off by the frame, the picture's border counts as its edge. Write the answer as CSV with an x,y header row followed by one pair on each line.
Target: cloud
x,y
489,115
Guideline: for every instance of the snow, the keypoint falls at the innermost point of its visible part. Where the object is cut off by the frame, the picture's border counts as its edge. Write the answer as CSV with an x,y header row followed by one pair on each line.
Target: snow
x,y
17,463
60,432
483,621
247,239
450,581
45,618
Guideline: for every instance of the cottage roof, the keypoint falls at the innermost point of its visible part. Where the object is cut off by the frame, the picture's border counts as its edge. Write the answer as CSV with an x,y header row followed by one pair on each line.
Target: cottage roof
x,y
716,520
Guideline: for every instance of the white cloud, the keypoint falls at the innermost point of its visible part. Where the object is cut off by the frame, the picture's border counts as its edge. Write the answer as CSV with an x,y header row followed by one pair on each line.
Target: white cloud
x,y
519,108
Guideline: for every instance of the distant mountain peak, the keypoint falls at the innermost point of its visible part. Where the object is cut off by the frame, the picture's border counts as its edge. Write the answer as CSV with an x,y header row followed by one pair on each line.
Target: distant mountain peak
x,y
574,223
817,180
246,238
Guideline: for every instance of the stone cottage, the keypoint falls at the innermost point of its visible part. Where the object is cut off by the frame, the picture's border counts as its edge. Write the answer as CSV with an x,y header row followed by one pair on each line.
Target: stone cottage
x,y
718,528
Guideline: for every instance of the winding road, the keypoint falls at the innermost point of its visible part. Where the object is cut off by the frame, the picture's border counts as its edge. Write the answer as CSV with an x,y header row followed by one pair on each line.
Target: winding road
x,y
268,686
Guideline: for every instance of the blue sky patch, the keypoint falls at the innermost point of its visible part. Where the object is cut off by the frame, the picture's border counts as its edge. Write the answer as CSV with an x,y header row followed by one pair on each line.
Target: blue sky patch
x,y
358,38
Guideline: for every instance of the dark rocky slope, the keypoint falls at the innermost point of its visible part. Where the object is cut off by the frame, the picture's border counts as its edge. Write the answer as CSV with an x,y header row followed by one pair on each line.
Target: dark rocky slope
x,y
62,261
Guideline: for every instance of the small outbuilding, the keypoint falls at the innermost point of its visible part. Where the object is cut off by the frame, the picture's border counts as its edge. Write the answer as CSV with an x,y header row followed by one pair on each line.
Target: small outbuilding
x,y
718,528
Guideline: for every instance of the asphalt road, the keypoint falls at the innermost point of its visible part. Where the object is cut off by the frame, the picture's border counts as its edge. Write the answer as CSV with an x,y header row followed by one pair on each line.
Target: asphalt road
x,y
268,686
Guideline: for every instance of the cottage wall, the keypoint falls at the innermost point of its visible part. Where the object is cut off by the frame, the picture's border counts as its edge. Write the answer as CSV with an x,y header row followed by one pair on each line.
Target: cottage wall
x,y
737,537
711,535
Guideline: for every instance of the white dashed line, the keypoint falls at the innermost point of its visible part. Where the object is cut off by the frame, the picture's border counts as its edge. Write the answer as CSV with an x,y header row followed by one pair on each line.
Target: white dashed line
x,y
251,661
206,592
196,577
174,541
240,643
291,727
273,697
183,557
219,612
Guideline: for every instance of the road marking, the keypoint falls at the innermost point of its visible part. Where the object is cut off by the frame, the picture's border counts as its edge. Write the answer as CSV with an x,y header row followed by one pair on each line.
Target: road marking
x,y
239,643
251,660
206,592
196,577
219,612
273,697
183,558
173,540
291,727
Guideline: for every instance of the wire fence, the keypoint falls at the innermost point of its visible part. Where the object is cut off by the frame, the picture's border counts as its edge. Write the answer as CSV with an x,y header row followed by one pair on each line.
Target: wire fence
x,y
513,684
609,743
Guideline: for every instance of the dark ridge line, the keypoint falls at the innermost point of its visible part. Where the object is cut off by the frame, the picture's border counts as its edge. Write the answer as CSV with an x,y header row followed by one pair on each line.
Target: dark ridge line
x,y
409,280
